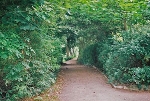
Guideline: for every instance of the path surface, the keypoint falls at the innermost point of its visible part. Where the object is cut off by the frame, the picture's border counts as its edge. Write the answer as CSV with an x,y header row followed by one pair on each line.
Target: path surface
x,y
82,83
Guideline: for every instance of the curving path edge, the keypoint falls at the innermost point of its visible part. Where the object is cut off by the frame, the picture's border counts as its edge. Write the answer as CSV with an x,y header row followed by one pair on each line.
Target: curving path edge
x,y
81,83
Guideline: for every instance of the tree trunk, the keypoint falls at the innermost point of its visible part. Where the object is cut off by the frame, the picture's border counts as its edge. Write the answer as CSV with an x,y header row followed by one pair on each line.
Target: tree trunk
x,y
67,51
125,25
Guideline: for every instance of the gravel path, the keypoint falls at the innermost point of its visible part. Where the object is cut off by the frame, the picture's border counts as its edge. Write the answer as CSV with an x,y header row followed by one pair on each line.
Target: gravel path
x,y
81,83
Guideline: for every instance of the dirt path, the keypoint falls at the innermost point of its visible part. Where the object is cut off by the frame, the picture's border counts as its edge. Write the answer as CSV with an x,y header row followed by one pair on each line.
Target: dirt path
x,y
81,83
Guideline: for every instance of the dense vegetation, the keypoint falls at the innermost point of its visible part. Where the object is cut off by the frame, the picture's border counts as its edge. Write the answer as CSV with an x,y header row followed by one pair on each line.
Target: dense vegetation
x,y
122,49
30,52
113,35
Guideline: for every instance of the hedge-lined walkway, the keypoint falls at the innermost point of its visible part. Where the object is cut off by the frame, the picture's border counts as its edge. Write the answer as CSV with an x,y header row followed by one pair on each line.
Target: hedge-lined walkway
x,y
81,83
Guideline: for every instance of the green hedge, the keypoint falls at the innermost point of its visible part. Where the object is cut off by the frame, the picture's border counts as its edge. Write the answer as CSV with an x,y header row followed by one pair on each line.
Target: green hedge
x,y
124,58
129,57
89,55
27,70
30,54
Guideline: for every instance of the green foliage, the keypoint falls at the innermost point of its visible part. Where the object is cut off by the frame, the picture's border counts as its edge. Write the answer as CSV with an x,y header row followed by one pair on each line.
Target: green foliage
x,y
120,31
11,45
30,54
68,58
33,32
89,55
133,52
28,78
124,58
104,50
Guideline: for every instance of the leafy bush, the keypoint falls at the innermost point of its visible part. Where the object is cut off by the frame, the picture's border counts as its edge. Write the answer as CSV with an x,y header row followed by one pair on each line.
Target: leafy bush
x,y
89,55
27,79
104,49
141,75
29,52
129,59
30,76
96,54
125,58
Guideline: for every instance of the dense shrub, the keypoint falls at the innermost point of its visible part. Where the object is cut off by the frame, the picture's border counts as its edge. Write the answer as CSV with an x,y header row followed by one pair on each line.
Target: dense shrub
x,y
104,50
24,76
96,54
89,55
132,52
29,52
24,80
124,58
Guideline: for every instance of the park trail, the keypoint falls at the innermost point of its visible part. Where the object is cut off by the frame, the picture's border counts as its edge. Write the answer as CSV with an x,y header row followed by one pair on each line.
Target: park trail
x,y
82,83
